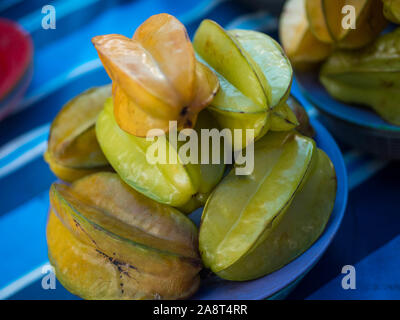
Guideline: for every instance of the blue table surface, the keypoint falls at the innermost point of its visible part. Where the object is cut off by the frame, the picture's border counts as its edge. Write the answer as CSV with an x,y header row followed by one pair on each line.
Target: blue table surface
x,y
65,64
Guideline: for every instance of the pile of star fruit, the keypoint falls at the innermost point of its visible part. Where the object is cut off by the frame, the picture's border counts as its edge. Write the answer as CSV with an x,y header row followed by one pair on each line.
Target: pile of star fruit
x,y
118,227
344,40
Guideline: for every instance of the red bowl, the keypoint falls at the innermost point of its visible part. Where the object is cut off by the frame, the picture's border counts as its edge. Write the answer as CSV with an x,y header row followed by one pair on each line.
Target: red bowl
x,y
16,55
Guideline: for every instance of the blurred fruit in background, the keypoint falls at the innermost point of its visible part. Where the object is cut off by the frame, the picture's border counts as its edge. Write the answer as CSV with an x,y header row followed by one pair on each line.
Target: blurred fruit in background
x,y
361,59
391,10
311,29
299,43
328,20
368,76
16,53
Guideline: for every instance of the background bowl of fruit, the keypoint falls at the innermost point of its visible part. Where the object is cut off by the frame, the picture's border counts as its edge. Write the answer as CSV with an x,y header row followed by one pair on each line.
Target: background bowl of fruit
x,y
122,227
347,65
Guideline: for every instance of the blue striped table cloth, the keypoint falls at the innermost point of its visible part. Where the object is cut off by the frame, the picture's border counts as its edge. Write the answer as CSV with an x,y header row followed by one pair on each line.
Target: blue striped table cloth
x,y
65,64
